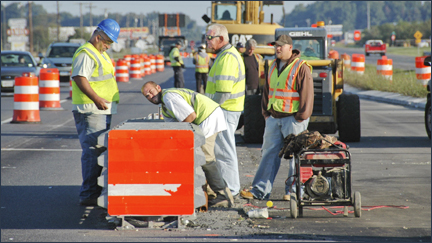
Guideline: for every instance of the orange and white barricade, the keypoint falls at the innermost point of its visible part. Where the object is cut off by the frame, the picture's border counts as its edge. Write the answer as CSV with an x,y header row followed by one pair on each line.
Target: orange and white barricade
x,y
135,68
153,63
358,63
346,61
333,54
160,63
122,71
26,99
423,73
147,66
49,89
127,58
385,67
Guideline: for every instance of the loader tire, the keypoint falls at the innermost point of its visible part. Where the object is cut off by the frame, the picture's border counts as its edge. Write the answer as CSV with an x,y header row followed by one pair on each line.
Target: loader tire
x,y
348,118
254,122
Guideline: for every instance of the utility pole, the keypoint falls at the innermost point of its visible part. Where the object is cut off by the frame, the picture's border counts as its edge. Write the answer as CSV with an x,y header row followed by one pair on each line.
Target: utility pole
x,y
106,13
58,21
368,15
4,27
90,7
81,20
142,20
30,26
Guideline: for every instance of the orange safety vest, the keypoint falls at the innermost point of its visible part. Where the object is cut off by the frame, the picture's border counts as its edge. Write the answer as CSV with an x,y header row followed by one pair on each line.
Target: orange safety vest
x,y
283,95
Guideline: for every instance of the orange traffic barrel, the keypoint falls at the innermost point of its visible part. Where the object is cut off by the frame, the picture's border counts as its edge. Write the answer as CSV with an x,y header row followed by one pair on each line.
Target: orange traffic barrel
x,y
49,89
147,66
385,67
358,63
153,63
423,73
127,58
135,68
26,99
122,71
160,63
346,61
333,54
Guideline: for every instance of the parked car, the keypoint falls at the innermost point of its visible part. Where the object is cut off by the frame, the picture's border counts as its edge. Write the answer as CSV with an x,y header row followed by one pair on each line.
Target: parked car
x,y
427,62
375,47
59,55
13,64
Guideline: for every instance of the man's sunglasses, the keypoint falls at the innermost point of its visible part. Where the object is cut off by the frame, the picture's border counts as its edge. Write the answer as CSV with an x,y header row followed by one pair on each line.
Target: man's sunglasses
x,y
108,42
210,37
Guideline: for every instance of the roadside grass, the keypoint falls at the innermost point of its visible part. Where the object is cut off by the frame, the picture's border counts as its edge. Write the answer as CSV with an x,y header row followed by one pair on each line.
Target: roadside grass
x,y
404,82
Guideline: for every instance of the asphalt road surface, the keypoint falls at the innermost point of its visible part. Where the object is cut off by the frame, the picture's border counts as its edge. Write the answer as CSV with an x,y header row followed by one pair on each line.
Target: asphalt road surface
x,y
41,176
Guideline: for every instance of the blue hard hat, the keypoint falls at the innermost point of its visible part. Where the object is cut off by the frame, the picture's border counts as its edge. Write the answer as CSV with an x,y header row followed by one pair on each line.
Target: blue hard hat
x,y
111,28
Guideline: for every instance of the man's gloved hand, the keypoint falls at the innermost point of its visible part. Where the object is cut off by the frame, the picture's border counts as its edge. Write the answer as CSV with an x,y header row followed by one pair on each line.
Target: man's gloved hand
x,y
182,65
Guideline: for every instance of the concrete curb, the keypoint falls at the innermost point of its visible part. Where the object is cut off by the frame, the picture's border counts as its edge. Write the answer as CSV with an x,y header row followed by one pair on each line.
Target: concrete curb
x,y
387,97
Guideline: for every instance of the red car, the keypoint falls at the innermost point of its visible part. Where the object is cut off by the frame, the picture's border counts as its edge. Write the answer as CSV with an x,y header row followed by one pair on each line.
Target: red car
x,y
375,47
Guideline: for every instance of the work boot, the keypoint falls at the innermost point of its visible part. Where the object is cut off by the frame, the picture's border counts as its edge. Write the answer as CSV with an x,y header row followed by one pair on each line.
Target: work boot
x,y
228,195
210,193
219,201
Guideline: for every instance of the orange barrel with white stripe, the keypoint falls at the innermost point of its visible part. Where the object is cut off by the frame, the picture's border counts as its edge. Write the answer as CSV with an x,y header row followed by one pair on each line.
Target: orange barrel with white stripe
x,y
147,66
385,67
160,63
358,63
333,54
153,63
26,99
142,67
135,68
122,71
346,61
423,73
49,89
127,58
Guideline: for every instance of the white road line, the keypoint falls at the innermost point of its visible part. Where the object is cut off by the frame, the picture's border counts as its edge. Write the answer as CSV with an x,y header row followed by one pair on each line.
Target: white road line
x,y
41,150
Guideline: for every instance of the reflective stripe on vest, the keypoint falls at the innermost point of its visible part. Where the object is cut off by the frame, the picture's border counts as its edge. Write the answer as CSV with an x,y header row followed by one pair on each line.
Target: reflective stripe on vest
x,y
102,80
283,95
202,63
201,104
175,53
226,83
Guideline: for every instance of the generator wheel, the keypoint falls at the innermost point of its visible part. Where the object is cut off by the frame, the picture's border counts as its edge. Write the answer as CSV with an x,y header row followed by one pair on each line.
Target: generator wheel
x,y
293,206
428,117
254,122
357,204
348,117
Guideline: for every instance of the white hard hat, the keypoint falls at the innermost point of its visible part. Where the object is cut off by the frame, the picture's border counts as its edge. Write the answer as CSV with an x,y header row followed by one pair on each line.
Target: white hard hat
x,y
202,46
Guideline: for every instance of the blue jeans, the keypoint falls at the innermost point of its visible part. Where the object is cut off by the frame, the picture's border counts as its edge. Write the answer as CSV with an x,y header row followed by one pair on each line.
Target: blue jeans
x,y
89,127
276,129
225,151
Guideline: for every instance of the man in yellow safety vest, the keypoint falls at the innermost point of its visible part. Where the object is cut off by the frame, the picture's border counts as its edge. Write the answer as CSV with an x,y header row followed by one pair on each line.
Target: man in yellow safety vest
x,y
226,86
202,62
177,65
287,104
94,99
185,105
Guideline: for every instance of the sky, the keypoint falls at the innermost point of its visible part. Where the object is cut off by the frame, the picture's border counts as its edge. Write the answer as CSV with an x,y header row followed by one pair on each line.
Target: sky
x,y
194,9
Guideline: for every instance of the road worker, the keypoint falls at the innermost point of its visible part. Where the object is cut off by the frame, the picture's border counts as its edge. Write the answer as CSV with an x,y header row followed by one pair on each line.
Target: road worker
x,y
177,64
286,111
226,86
185,105
202,62
94,99
240,47
252,64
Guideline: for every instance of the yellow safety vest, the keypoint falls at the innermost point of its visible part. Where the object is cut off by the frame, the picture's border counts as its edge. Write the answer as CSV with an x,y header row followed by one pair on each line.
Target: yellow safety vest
x,y
202,105
283,95
226,81
175,53
102,80
202,63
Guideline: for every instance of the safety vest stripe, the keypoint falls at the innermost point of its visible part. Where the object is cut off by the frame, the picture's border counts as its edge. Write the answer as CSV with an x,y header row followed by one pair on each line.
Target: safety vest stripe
x,y
100,71
287,94
291,82
222,96
100,78
228,78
